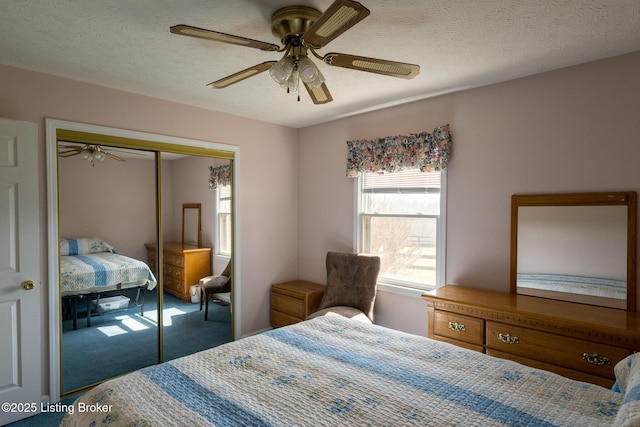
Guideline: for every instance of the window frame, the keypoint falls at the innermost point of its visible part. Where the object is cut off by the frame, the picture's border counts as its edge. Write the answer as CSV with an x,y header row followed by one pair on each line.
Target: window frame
x,y
401,286
219,222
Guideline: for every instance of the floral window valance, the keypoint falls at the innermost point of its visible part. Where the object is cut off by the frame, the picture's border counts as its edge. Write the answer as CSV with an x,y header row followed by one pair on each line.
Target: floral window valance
x,y
220,176
425,151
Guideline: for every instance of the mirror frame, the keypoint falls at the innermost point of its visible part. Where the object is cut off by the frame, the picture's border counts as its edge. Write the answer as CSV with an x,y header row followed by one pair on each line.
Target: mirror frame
x,y
198,207
620,198
121,138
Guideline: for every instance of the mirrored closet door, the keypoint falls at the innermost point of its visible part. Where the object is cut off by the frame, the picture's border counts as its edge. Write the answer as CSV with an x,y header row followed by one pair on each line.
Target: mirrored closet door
x,y
139,228
108,294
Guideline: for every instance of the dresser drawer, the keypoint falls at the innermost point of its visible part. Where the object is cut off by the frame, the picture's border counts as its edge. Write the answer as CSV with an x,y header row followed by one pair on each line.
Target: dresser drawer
x,y
458,327
586,356
177,273
288,305
174,286
172,259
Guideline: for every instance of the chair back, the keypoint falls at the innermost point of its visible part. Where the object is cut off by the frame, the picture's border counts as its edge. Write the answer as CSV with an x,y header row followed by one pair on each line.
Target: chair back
x,y
351,281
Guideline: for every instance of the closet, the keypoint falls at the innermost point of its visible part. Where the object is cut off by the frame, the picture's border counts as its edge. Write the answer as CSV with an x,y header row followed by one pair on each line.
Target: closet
x,y
133,198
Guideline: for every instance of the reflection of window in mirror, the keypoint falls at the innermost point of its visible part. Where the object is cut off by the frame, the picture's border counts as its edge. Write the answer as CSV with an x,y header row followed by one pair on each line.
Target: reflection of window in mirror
x,y
223,219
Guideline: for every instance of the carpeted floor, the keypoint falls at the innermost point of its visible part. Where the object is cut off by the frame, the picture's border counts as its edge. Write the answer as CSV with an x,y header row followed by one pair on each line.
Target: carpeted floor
x,y
122,341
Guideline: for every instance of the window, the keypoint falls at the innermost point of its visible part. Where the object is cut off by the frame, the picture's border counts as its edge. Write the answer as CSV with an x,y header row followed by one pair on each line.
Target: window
x,y
400,218
223,236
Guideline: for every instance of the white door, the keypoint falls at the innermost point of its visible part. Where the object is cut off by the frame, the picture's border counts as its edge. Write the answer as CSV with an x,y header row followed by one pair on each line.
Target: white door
x,y
20,304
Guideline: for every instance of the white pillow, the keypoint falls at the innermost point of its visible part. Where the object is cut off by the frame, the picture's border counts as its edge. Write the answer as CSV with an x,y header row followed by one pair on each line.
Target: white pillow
x,y
628,382
84,245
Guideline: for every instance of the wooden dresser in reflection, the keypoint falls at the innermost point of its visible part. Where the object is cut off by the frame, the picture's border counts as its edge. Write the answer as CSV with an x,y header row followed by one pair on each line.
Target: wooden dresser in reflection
x,y
578,341
182,266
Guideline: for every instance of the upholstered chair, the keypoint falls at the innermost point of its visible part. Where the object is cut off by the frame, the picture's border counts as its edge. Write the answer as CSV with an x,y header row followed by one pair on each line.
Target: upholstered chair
x,y
351,286
214,285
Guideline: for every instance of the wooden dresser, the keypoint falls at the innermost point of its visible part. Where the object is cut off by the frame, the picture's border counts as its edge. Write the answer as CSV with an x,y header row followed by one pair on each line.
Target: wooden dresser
x,y
182,266
292,302
578,341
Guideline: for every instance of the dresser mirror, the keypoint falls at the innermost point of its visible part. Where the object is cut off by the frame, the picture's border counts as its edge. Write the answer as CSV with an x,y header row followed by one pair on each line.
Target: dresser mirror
x,y
578,247
191,224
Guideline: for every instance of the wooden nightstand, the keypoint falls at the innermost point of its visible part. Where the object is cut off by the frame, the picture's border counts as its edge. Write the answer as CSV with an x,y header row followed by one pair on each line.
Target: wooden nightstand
x,y
292,302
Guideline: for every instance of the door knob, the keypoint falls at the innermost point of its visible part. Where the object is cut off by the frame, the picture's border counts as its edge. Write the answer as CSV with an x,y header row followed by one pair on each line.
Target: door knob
x,y
28,285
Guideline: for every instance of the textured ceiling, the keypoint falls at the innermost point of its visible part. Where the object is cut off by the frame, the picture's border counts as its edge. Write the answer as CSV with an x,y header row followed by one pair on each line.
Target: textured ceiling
x,y
126,44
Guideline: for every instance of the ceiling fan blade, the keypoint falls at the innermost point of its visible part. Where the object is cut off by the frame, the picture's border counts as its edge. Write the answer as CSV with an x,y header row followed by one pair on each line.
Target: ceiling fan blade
x,y
338,18
201,33
113,156
241,75
373,65
69,153
128,152
320,94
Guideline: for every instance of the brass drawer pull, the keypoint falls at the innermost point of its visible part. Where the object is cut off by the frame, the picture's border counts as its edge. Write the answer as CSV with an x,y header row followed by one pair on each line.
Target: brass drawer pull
x,y
596,359
508,339
455,326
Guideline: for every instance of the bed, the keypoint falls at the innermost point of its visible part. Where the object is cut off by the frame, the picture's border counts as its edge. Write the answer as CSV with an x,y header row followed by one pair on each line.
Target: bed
x,y
336,371
91,268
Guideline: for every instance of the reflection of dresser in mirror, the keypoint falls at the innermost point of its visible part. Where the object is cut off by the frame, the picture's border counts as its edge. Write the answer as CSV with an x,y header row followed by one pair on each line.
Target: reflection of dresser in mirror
x,y
182,266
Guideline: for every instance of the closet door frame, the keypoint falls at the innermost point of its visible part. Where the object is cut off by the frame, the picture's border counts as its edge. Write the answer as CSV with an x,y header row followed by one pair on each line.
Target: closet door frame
x,y
59,129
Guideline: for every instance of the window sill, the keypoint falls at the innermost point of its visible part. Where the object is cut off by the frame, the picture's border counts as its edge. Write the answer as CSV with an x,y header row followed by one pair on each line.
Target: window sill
x,y
402,290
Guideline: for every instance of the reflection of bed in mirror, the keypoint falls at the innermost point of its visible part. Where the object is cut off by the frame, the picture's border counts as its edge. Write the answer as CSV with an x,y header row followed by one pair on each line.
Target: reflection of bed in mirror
x,y
91,269
577,247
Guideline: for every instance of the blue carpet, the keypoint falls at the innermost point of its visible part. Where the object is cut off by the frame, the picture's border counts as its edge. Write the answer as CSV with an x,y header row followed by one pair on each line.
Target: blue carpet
x,y
122,341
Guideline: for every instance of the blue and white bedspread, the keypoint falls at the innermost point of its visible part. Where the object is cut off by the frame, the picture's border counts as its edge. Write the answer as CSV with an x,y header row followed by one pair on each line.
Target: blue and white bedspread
x,y
585,285
96,272
332,371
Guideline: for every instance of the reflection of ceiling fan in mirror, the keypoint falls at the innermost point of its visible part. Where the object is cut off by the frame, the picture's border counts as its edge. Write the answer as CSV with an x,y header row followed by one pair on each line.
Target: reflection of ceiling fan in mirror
x,y
303,29
90,152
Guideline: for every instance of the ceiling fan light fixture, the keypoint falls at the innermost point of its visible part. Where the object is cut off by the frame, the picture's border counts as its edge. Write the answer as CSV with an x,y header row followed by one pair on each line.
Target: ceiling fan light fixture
x,y
309,73
282,70
304,29
292,83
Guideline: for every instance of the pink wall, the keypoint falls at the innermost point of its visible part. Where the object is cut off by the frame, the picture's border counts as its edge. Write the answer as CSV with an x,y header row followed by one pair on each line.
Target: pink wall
x,y
92,202
574,129
268,211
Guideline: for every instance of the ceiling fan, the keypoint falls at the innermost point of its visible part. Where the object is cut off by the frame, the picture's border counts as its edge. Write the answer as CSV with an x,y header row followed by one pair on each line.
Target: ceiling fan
x,y
303,29
90,152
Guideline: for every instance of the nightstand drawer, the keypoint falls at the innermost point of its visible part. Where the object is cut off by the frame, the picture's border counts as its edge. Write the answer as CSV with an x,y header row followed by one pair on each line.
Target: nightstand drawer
x,y
459,327
280,319
586,356
288,305
292,302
